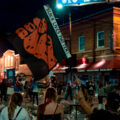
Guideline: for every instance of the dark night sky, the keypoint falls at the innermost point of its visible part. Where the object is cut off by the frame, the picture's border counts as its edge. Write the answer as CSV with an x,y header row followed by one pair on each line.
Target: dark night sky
x,y
14,13
17,12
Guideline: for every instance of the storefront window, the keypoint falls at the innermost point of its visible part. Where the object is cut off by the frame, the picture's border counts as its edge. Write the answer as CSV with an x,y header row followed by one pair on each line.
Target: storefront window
x,y
5,61
11,60
8,61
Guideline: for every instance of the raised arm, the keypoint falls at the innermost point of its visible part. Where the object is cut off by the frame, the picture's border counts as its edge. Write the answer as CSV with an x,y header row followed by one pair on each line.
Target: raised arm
x,y
87,108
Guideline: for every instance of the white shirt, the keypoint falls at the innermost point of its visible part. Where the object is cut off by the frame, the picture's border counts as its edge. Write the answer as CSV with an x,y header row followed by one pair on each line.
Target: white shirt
x,y
23,82
23,115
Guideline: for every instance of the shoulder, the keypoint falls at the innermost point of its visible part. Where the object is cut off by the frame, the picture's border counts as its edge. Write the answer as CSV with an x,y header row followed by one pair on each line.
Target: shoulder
x,y
24,113
4,109
23,110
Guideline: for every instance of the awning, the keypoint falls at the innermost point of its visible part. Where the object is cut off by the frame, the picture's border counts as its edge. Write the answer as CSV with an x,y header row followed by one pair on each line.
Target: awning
x,y
82,67
59,68
105,65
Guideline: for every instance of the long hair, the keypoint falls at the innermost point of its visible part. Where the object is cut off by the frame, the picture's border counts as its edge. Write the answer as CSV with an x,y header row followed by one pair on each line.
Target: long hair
x,y
50,95
15,100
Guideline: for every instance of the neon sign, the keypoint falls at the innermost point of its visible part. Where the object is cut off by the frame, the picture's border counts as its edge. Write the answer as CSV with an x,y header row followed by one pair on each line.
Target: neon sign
x,y
79,2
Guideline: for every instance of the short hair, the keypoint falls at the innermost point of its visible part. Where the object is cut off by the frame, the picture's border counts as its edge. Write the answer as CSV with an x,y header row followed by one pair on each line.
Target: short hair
x,y
103,115
113,101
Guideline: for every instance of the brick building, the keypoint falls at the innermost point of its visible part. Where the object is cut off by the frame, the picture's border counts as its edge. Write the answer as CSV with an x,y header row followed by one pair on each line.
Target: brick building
x,y
96,39
11,61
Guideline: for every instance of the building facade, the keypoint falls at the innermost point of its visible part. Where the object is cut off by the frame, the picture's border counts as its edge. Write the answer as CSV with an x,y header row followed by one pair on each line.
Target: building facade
x,y
10,60
97,39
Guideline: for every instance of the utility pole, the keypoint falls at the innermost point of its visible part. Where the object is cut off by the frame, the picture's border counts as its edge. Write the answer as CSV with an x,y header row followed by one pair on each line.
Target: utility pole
x,y
70,31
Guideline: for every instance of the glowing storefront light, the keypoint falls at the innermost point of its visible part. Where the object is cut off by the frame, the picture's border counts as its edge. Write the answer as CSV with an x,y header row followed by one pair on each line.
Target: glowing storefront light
x,y
11,61
81,66
8,61
63,68
5,61
56,67
99,64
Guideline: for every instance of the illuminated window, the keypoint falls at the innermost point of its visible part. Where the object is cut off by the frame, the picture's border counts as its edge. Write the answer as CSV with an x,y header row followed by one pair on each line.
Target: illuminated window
x,y
81,43
11,61
8,61
5,61
100,39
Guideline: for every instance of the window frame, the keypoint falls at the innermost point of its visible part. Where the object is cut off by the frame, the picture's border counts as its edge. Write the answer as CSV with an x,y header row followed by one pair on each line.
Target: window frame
x,y
99,39
79,42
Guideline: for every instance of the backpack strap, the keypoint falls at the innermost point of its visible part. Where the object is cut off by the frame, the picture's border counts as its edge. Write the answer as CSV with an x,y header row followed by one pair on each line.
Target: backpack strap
x,y
18,113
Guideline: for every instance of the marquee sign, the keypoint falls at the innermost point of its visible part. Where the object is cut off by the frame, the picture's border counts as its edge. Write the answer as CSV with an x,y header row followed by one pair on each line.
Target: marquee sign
x,y
79,2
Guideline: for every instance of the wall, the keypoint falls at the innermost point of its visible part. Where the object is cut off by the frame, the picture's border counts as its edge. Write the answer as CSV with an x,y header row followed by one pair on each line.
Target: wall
x,y
89,28
116,30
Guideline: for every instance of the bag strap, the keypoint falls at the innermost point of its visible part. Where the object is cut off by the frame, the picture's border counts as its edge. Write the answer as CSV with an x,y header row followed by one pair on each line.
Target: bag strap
x,y
54,112
18,113
56,108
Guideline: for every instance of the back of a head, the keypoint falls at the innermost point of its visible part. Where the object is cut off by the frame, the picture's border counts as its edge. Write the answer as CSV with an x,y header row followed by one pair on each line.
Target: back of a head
x,y
103,115
100,85
15,100
113,101
68,85
50,94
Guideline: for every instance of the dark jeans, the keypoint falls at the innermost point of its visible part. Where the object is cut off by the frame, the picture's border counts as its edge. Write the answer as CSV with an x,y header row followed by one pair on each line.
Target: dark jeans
x,y
67,95
35,94
100,99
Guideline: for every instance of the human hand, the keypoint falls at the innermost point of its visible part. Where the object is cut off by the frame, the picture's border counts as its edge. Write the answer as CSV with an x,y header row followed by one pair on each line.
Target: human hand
x,y
78,82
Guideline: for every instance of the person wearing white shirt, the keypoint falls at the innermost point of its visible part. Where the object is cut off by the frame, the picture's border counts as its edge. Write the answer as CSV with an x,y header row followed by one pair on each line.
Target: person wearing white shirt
x,y
14,111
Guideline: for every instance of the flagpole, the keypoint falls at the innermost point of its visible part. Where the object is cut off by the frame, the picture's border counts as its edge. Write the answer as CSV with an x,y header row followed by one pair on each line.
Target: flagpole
x,y
69,35
70,38
70,30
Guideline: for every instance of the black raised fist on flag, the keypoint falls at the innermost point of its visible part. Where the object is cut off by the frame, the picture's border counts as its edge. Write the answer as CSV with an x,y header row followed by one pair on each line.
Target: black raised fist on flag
x,y
36,40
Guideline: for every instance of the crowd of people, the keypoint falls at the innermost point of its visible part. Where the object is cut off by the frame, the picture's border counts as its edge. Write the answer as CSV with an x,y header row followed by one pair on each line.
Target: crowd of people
x,y
28,87
108,99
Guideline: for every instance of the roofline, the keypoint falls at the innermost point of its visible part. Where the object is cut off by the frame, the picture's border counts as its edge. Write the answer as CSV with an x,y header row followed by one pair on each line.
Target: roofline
x,y
89,16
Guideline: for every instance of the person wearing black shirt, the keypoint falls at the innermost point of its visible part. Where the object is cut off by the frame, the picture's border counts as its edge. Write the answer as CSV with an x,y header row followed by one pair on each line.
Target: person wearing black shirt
x,y
68,92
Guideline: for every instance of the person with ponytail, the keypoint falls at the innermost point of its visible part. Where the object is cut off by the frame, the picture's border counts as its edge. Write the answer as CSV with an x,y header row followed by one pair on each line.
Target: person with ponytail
x,y
50,110
14,111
